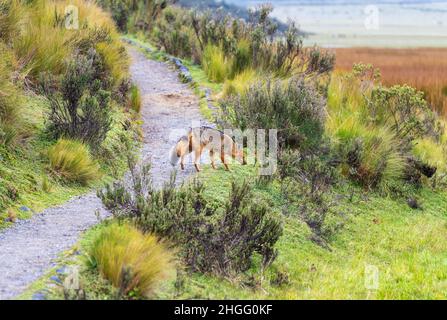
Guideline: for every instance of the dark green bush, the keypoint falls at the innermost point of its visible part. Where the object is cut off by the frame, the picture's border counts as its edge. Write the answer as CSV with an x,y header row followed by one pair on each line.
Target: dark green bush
x,y
295,108
214,238
81,110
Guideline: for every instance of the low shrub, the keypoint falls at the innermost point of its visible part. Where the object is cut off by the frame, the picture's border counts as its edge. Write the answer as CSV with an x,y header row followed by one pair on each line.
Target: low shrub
x,y
134,15
135,263
82,108
174,34
294,108
404,109
71,160
214,238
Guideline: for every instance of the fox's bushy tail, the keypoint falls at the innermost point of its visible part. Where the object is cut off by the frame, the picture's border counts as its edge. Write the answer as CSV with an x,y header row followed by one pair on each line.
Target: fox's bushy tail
x,y
173,156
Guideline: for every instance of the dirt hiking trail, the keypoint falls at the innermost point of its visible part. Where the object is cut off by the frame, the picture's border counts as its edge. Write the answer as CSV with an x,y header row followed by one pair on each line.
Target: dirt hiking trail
x,y
29,248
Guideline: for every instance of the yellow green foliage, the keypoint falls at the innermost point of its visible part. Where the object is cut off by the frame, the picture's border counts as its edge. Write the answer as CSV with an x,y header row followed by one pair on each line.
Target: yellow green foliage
x,y
47,36
130,260
135,99
71,160
430,153
215,64
10,14
10,100
240,83
372,152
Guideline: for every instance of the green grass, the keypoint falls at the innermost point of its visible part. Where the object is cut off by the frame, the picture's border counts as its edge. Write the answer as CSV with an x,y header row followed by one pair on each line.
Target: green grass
x,y
408,247
215,64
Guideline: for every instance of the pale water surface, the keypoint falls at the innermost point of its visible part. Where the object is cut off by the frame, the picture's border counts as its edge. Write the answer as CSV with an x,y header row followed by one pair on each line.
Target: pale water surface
x,y
344,23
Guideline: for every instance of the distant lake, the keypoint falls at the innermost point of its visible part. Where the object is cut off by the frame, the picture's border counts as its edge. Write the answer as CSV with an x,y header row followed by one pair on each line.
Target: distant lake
x,y
343,23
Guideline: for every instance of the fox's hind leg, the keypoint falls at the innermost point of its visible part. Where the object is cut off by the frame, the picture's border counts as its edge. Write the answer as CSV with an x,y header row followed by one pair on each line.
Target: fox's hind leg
x,y
212,159
222,158
197,153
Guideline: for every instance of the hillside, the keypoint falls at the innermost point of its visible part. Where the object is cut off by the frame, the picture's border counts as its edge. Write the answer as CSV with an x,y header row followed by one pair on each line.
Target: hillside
x,y
331,184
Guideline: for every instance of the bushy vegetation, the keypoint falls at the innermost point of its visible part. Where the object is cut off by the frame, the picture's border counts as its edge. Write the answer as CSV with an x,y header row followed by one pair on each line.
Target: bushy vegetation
x,y
295,108
422,68
80,108
72,161
373,127
214,64
83,68
213,239
135,263
134,15
10,104
226,46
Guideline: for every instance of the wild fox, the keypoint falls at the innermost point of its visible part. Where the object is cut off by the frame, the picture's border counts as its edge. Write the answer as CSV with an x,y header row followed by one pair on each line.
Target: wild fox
x,y
198,139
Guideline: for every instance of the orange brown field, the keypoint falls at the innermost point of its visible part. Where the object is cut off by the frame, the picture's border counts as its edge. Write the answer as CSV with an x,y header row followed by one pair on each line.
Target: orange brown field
x,y
423,68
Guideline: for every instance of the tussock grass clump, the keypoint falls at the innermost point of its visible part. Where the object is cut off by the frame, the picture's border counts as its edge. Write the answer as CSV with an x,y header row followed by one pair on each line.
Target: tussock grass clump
x,y
72,161
132,261
215,64
10,14
430,153
242,57
10,102
135,99
45,41
372,156
240,83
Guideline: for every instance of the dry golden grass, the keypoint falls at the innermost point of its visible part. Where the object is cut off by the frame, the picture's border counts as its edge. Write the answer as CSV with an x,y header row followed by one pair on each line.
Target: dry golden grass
x,y
423,68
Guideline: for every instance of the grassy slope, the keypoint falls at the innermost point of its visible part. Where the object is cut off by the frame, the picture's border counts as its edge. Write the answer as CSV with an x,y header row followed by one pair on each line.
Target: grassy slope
x,y
409,248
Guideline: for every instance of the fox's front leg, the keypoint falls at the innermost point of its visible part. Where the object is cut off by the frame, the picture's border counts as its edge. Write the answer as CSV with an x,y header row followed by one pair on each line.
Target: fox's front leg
x,y
182,162
197,153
